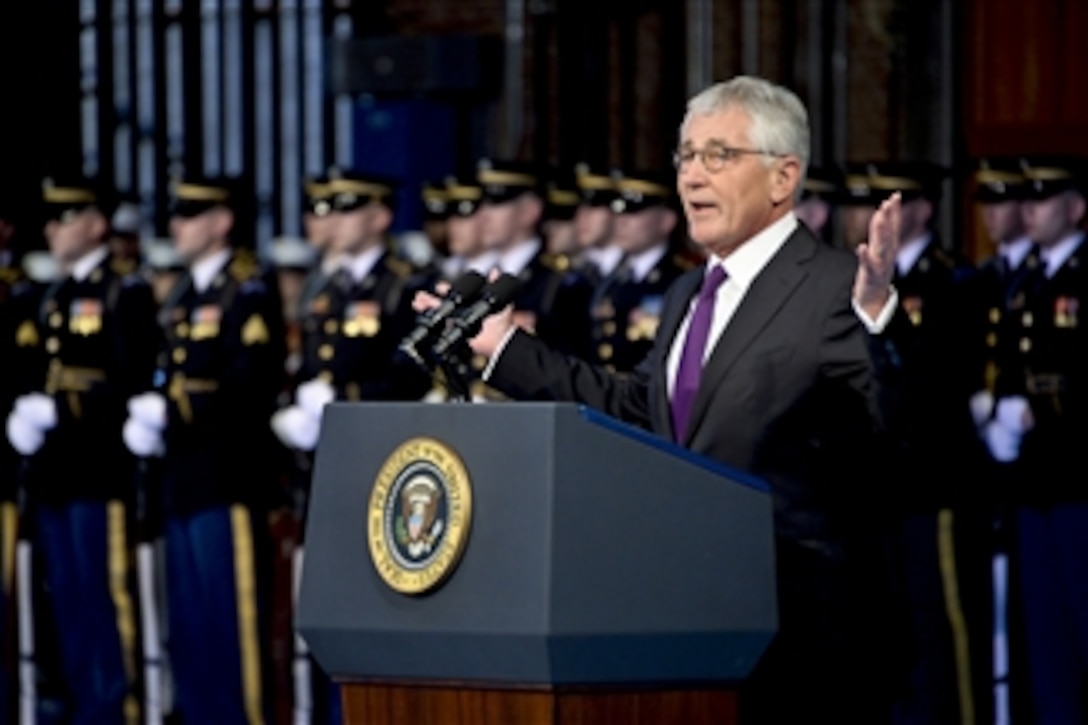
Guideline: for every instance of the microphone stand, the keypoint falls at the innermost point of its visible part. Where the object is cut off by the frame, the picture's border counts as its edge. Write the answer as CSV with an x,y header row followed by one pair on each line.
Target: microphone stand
x,y
452,371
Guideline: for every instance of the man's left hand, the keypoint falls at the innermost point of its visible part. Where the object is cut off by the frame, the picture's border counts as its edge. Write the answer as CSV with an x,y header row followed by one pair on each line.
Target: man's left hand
x,y
876,258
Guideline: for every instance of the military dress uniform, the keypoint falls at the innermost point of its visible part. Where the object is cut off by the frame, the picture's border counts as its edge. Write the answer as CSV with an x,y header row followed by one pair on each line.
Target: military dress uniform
x,y
1045,365
626,304
553,299
92,342
220,371
935,540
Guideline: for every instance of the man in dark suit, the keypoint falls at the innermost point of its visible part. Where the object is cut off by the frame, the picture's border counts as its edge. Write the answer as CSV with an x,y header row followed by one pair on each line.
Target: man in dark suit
x,y
761,362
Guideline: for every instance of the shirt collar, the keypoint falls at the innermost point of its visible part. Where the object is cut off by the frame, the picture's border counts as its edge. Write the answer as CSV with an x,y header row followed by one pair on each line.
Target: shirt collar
x,y
205,270
1015,251
483,262
643,263
1057,255
910,251
749,259
361,264
82,267
605,259
518,258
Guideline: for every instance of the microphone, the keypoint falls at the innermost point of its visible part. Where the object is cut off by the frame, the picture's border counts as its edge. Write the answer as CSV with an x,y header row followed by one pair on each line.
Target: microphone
x,y
463,290
494,296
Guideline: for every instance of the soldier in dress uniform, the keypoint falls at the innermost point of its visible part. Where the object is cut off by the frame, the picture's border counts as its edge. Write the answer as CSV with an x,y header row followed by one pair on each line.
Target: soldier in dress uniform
x,y
561,201
466,244
821,188
217,380
626,305
552,301
1039,423
999,189
939,542
90,344
594,222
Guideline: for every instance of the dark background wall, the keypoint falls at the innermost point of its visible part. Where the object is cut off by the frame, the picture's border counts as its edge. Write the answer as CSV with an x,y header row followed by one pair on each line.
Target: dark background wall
x,y
603,81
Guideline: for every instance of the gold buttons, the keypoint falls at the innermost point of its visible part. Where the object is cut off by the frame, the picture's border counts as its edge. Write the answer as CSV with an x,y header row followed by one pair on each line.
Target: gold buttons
x,y
331,326
1025,344
56,319
52,345
325,376
1027,319
991,340
325,352
605,351
995,315
609,328
182,329
179,355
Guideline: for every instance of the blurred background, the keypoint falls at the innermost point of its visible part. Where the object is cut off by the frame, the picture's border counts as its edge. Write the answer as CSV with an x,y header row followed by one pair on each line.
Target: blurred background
x,y
135,90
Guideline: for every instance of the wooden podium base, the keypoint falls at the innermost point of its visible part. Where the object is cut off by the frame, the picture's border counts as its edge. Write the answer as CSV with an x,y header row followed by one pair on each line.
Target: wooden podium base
x,y
373,704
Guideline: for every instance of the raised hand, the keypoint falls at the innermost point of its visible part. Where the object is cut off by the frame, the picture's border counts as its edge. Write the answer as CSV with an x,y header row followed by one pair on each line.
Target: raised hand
x,y
876,258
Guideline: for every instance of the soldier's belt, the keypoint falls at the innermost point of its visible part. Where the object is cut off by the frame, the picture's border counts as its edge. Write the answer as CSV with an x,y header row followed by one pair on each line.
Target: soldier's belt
x,y
71,379
1046,384
181,387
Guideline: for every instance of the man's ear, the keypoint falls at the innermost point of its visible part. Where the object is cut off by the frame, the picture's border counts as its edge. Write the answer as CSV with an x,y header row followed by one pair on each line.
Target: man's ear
x,y
1077,207
383,218
785,176
666,222
222,222
530,209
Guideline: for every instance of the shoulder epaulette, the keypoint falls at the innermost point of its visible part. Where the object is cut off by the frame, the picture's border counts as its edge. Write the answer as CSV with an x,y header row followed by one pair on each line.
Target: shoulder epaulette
x,y
399,267
243,268
122,267
555,262
684,263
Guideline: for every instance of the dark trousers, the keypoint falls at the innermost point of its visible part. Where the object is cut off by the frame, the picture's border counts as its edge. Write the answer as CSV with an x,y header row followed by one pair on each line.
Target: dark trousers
x,y
1053,570
945,570
214,596
822,665
85,555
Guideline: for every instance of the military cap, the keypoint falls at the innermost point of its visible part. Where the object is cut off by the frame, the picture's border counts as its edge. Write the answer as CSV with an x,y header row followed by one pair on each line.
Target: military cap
x,y
191,195
436,200
64,196
562,197
317,199
596,184
999,179
872,182
355,189
637,190
822,183
504,181
126,217
1050,175
464,193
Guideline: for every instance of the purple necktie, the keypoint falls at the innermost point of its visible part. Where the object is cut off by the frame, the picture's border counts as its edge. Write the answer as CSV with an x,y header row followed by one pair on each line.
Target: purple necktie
x,y
691,361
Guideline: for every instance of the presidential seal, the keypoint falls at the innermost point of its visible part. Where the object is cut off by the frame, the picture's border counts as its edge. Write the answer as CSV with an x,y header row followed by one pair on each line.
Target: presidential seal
x,y
419,515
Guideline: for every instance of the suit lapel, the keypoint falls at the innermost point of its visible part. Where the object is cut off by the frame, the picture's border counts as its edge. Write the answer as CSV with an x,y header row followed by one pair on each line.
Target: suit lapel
x,y
764,298
671,317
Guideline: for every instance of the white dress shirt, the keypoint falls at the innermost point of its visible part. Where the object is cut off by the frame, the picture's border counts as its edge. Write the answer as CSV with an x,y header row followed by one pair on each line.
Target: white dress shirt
x,y
909,252
204,270
1054,257
643,263
82,267
361,264
1015,251
517,258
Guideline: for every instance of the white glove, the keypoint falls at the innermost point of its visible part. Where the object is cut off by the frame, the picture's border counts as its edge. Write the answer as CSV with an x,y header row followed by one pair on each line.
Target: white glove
x,y
149,409
24,436
37,409
314,395
1003,443
1013,413
982,407
296,428
143,440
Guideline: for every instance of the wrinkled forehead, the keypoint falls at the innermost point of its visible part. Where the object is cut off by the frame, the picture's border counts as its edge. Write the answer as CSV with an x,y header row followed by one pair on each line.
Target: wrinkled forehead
x,y
727,126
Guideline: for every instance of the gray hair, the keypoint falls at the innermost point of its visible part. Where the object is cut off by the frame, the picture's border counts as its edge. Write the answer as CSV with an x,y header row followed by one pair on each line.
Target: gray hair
x,y
779,119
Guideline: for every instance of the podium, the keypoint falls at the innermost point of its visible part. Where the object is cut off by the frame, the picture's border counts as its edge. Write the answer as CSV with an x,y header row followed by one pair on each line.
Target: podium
x,y
530,563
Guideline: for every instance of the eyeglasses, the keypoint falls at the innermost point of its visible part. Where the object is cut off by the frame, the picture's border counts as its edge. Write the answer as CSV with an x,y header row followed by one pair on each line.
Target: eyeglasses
x,y
715,157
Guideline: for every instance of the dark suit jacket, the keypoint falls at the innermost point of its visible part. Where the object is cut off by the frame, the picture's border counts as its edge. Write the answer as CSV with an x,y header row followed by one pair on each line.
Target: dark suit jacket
x,y
787,392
